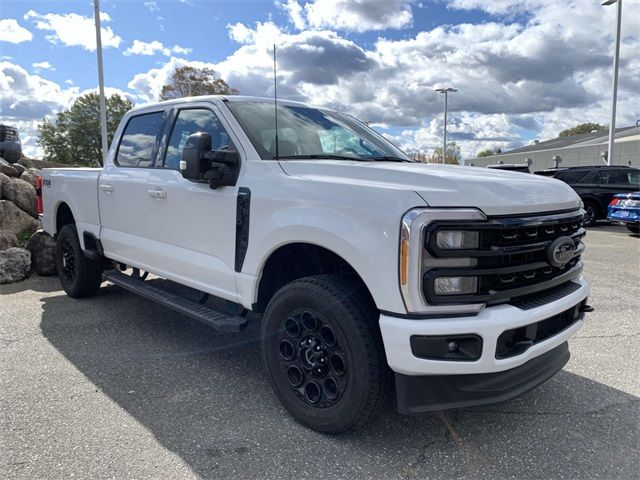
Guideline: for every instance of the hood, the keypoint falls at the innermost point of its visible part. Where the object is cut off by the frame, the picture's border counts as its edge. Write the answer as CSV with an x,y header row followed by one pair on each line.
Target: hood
x,y
495,192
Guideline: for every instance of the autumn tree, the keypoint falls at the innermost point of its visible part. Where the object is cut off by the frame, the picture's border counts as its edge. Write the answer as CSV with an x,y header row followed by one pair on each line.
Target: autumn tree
x,y
74,137
453,154
193,82
582,128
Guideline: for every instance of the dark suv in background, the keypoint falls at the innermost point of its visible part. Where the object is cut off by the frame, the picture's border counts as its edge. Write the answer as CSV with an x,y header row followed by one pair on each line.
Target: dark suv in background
x,y
597,185
10,146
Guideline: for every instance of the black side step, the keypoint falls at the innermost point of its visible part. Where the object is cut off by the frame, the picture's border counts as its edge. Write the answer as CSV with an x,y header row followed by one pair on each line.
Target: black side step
x,y
218,320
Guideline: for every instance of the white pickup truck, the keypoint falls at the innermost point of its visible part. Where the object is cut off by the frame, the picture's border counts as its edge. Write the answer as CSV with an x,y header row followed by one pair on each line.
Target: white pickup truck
x,y
453,286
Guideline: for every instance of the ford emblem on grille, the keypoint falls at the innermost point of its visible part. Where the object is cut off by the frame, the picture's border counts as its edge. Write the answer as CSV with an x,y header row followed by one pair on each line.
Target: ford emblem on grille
x,y
560,251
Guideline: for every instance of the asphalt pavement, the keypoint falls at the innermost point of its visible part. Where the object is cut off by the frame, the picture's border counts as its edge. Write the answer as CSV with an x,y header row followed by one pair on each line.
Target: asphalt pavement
x,y
118,387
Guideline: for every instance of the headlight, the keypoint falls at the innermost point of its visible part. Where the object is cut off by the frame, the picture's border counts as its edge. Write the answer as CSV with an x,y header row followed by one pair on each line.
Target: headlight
x,y
457,239
455,285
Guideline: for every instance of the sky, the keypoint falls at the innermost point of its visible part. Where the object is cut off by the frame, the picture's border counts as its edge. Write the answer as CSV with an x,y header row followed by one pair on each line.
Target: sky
x,y
524,69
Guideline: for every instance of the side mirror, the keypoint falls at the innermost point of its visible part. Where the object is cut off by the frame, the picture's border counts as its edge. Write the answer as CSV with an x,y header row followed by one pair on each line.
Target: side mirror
x,y
200,164
193,165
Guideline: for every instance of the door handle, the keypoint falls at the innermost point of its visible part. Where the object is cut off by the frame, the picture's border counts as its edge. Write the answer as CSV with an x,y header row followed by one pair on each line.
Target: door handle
x,y
157,193
106,187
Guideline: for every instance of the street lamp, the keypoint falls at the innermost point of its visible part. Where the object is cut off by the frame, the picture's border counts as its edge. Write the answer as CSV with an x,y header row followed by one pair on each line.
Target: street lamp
x,y
444,141
103,110
616,61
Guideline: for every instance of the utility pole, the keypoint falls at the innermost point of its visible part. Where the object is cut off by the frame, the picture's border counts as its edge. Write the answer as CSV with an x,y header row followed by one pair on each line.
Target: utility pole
x,y
103,109
616,62
444,140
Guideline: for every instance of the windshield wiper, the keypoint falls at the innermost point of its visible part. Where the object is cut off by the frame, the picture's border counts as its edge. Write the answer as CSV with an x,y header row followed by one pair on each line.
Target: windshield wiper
x,y
322,156
390,159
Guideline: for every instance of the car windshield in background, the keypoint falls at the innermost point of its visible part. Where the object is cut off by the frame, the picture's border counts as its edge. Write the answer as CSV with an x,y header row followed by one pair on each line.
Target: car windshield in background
x,y
305,132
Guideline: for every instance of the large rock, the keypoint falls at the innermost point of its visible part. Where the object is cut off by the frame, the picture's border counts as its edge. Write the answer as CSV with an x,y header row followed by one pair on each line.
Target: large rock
x,y
8,239
4,179
19,168
15,264
15,220
22,194
43,253
29,177
7,168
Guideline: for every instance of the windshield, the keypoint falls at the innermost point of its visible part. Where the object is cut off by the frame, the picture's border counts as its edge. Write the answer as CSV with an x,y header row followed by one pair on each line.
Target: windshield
x,y
305,132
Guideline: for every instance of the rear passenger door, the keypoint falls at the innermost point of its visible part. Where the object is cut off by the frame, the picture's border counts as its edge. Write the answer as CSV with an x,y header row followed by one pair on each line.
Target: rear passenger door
x,y
126,231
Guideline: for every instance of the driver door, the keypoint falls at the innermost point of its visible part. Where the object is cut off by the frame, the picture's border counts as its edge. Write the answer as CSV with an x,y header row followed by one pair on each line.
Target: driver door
x,y
193,226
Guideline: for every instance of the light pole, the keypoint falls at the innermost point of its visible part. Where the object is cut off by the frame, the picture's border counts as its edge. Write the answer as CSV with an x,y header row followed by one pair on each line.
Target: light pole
x,y
616,61
444,140
103,109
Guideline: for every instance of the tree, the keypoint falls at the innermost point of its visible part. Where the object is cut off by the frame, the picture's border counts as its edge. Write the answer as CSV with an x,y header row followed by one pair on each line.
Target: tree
x,y
74,136
453,154
486,153
189,81
582,128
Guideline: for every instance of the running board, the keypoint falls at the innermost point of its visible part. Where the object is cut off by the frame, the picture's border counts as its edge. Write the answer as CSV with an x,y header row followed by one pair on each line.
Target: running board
x,y
214,318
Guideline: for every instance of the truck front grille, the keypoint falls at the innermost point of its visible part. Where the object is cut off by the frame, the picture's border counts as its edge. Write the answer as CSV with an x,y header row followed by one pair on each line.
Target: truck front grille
x,y
511,260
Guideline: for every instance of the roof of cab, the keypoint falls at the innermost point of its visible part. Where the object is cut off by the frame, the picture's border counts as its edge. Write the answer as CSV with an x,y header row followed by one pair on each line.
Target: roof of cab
x,y
224,98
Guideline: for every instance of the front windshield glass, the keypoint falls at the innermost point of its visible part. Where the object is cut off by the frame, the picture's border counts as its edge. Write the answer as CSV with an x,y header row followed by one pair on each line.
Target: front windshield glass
x,y
305,132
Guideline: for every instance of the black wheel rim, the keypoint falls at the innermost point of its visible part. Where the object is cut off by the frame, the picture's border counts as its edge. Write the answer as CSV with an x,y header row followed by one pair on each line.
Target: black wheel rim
x,y
68,262
312,359
589,215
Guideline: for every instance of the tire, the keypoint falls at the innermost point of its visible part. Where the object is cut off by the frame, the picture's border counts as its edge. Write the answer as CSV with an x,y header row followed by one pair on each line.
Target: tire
x,y
80,276
634,228
590,214
332,318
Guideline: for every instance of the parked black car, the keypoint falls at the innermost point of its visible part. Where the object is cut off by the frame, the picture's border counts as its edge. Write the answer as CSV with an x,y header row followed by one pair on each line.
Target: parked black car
x,y
10,146
597,185
511,167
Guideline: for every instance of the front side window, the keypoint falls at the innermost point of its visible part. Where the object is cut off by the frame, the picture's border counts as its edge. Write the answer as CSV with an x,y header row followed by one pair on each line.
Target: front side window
x,y
140,140
572,177
305,132
192,121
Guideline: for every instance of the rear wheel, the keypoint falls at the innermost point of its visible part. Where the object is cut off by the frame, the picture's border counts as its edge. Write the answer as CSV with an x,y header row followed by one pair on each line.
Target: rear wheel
x,y
634,228
323,353
590,214
80,276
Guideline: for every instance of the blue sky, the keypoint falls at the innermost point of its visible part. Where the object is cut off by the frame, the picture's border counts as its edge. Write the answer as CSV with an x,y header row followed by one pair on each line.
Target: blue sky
x,y
525,69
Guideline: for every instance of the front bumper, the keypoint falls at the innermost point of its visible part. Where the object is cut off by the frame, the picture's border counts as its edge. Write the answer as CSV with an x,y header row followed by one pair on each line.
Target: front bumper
x,y
432,393
488,324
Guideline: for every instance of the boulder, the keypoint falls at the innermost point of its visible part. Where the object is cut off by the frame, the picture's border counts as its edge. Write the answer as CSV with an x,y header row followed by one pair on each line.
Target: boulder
x,y
15,220
8,239
3,180
43,253
15,264
23,194
29,177
19,168
7,168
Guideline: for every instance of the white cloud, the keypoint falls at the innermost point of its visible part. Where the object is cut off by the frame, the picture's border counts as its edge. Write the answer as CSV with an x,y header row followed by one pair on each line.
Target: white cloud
x,y
42,66
296,13
25,99
72,29
12,32
350,15
151,6
155,47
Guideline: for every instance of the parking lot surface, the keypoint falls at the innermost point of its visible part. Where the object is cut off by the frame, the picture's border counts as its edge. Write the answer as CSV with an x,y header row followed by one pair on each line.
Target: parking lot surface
x,y
118,387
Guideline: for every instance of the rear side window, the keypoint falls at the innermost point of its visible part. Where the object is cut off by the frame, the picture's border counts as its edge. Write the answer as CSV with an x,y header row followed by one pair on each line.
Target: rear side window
x,y
617,177
572,177
139,142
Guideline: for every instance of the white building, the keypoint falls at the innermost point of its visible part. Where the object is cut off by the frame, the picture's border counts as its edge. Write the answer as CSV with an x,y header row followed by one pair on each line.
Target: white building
x,y
576,150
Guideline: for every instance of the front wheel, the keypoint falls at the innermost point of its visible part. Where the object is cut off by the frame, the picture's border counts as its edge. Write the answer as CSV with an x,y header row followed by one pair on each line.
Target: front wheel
x,y
590,214
634,228
323,353
80,276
